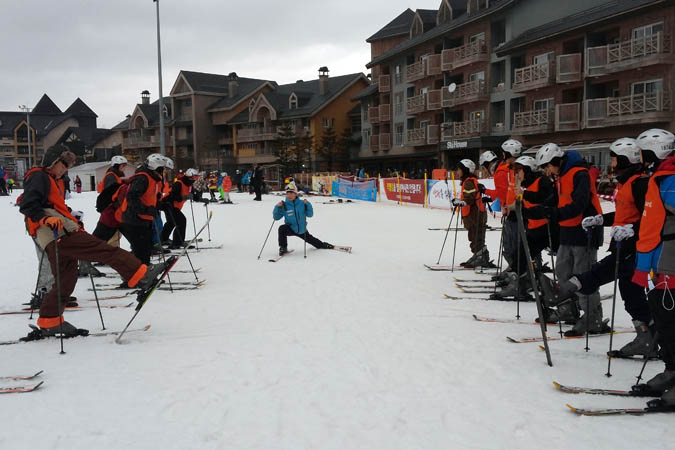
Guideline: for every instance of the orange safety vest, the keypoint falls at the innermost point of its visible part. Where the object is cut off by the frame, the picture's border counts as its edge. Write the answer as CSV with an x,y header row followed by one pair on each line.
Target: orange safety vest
x,y
653,216
533,223
149,197
55,199
184,194
626,211
510,193
565,189
479,202
99,186
227,184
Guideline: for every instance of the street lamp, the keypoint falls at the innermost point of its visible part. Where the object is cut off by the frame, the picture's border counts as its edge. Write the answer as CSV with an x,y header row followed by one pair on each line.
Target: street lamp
x,y
162,139
27,110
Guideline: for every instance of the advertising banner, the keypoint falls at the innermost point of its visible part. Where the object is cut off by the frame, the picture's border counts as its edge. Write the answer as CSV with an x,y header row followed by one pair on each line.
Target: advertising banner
x,y
323,184
440,192
344,190
411,191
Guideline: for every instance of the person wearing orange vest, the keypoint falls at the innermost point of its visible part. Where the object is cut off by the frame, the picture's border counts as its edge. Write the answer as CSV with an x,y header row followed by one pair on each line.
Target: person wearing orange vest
x,y
225,189
536,190
579,215
138,208
107,228
172,205
114,174
474,216
51,223
655,268
629,198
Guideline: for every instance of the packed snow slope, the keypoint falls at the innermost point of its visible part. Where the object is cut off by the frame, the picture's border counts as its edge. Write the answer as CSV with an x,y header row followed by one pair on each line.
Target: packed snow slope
x,y
335,351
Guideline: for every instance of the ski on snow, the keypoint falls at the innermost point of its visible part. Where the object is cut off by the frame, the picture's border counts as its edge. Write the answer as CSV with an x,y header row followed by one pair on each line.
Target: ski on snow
x,y
514,321
564,338
100,333
595,391
21,377
621,411
17,389
280,256
436,267
68,308
174,287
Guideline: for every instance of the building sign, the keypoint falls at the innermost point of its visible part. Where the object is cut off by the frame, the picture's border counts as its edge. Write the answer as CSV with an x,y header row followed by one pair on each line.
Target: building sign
x,y
452,145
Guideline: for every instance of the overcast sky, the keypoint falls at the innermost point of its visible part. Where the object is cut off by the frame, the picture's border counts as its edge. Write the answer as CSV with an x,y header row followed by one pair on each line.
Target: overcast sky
x,y
105,51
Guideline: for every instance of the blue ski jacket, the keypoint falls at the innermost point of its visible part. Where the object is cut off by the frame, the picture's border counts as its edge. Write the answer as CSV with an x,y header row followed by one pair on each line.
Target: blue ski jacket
x,y
295,214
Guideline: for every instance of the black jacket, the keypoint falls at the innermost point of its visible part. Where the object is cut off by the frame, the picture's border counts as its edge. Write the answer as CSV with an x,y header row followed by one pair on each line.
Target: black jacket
x,y
137,187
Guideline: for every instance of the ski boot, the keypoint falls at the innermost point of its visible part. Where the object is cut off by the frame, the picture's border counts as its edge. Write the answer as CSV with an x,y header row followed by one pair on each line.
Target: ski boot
x,y
594,323
64,328
283,251
665,403
86,269
328,246
640,346
502,277
565,290
658,385
478,259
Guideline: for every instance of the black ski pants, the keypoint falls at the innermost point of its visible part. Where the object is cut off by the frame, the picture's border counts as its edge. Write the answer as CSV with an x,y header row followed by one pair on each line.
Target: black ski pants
x,y
176,222
286,230
104,232
258,191
633,295
140,238
662,305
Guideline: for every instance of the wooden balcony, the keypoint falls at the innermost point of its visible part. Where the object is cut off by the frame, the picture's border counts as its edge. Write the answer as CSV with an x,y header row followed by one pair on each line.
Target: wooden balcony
x,y
434,65
473,52
629,110
568,117
256,134
533,122
533,77
374,142
417,136
434,100
473,91
137,141
414,72
433,134
374,114
416,104
385,141
461,130
385,112
384,82
631,54
568,68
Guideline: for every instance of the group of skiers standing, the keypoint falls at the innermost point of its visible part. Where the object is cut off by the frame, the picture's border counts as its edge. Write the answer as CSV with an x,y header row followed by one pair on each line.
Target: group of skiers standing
x,y
561,211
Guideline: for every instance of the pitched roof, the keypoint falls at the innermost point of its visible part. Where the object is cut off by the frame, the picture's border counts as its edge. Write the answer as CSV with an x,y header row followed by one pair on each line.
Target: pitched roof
x,y
79,108
398,27
581,19
88,136
435,32
8,122
428,17
370,90
45,106
212,82
246,87
123,125
151,111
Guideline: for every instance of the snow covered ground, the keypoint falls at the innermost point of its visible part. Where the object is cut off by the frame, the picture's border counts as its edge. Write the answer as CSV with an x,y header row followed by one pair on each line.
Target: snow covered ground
x,y
336,351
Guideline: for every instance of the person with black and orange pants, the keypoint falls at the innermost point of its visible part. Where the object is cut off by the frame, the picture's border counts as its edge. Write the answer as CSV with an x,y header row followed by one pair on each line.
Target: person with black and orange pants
x,y
139,206
474,215
172,205
50,223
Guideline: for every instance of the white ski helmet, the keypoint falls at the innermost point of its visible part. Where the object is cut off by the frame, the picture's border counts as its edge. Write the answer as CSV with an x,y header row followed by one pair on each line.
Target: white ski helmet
x,y
546,154
657,141
155,161
486,157
626,148
512,147
191,172
118,159
169,162
527,161
468,165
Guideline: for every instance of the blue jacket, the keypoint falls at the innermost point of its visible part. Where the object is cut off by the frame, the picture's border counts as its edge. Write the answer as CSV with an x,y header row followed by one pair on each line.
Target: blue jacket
x,y
295,214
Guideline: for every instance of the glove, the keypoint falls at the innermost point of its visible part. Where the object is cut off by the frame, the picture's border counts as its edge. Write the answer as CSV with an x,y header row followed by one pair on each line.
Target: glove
x,y
486,199
79,215
457,202
622,232
54,223
481,188
592,221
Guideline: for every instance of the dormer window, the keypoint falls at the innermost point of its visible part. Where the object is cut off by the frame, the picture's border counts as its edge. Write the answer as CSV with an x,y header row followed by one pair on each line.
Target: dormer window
x,y
250,105
444,13
293,101
165,110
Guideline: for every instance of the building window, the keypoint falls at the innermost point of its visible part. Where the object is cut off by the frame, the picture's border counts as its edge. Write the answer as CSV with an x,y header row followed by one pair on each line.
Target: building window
x,y
187,102
398,135
398,103
477,76
293,101
646,87
477,37
476,115
250,105
398,79
648,30
327,122
544,104
366,138
543,58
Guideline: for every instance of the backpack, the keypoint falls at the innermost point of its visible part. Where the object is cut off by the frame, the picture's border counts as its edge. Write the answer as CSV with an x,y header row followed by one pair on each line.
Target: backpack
x,y
105,197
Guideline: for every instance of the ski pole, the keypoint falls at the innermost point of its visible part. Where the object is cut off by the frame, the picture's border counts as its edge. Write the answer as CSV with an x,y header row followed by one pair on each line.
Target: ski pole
x,y
655,338
57,277
305,241
616,282
518,244
550,248
267,237
37,282
194,227
454,246
446,235
500,256
161,251
208,226
93,287
588,298
182,238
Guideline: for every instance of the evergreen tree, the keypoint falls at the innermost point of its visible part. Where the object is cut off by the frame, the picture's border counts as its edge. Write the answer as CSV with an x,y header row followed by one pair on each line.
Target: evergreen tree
x,y
284,147
303,151
328,146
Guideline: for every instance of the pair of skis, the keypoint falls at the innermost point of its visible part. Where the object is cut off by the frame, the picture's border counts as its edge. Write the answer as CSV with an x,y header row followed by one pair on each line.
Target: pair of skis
x,y
24,387
101,333
649,409
339,248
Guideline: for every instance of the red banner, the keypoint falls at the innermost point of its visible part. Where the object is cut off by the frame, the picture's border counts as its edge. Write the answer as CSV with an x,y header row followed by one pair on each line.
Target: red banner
x,y
411,191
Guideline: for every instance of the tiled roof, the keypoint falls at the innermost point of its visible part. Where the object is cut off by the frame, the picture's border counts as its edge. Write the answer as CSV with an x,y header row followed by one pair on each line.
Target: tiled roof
x,y
45,106
151,111
88,136
370,90
79,108
428,17
575,21
246,87
212,82
397,27
438,31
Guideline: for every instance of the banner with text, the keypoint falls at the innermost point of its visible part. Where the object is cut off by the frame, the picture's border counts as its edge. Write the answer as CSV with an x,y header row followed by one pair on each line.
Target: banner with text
x,y
345,190
323,184
404,190
441,192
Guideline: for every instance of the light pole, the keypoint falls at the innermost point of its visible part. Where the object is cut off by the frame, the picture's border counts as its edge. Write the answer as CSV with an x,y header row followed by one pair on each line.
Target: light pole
x,y
162,139
27,110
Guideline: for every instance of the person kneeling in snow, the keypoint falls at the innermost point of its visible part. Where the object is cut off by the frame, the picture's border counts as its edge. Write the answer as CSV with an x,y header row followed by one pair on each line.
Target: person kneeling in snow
x,y
295,213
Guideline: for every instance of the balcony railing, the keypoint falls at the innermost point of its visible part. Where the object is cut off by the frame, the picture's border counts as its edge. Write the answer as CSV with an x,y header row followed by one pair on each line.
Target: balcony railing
x,y
433,134
533,122
533,77
568,68
385,112
476,51
434,64
385,141
384,83
416,104
228,140
465,129
373,114
631,109
374,142
137,141
434,100
472,91
568,117
634,53
417,136
185,117
415,71
256,134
